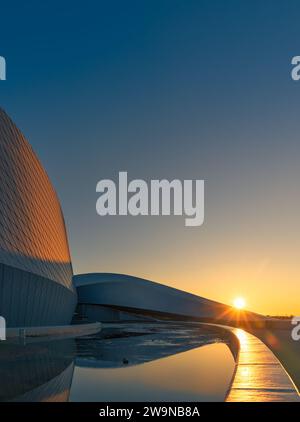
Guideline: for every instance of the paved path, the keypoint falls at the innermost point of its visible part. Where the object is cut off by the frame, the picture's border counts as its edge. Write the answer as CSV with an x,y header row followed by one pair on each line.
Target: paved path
x,y
259,375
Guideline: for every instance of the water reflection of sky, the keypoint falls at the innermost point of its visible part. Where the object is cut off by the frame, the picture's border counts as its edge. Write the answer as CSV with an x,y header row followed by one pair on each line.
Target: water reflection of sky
x,y
201,374
160,363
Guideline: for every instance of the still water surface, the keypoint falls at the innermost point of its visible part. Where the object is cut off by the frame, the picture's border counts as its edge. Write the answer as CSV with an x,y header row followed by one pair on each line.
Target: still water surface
x,y
201,374
134,363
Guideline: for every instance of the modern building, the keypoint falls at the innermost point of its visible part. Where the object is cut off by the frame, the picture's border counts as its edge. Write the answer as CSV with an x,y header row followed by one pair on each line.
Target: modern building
x,y
36,277
43,373
36,287
110,297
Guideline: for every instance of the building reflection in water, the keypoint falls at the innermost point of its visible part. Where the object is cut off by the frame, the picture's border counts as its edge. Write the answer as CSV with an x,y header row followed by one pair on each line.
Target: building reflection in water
x,y
170,364
40,371
152,363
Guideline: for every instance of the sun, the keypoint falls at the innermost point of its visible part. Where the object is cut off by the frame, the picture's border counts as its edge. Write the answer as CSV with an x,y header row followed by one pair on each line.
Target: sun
x,y
239,303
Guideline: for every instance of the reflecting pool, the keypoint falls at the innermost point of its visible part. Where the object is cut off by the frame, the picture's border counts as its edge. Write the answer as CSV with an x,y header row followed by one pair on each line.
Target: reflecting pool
x,y
126,362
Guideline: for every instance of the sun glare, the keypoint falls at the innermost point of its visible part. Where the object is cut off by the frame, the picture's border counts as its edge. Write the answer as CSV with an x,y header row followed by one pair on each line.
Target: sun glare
x,y
239,303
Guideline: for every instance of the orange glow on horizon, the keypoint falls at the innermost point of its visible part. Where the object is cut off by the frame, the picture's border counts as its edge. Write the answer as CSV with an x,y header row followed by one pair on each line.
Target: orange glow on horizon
x,y
239,303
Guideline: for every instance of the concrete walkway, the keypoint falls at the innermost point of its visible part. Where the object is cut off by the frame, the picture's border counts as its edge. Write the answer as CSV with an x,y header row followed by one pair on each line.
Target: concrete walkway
x,y
259,376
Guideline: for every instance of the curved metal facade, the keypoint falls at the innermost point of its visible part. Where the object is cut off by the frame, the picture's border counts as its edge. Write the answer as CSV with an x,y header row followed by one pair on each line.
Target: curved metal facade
x,y
128,292
35,265
107,291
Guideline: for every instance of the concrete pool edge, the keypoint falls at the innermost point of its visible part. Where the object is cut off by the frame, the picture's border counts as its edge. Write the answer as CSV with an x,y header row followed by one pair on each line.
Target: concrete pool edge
x,y
269,367
59,331
295,395
283,354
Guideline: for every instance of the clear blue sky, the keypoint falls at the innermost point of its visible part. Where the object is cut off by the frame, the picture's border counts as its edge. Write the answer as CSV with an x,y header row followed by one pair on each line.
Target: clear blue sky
x,y
168,89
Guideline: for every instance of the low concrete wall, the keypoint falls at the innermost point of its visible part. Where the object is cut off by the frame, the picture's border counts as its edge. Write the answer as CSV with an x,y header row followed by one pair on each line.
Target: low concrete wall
x,y
75,330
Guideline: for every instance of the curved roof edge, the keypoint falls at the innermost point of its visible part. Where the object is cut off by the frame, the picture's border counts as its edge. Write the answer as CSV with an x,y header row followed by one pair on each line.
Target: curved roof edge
x,y
92,279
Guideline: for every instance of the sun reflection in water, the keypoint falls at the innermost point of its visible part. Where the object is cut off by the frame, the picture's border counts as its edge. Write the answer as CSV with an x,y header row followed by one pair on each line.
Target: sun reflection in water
x,y
242,336
245,372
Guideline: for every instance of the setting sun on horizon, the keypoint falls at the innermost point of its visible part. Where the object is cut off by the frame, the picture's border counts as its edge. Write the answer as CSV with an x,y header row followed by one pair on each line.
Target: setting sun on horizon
x,y
239,303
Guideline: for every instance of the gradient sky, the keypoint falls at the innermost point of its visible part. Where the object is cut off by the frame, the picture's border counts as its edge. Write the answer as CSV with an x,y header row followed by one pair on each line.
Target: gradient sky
x,y
168,89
